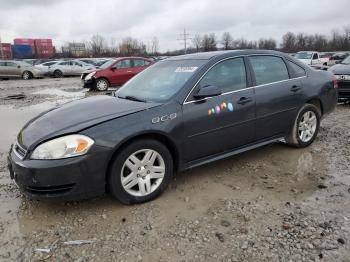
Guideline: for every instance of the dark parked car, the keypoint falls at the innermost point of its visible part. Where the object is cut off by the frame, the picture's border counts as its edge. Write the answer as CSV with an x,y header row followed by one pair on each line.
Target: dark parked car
x,y
342,73
115,72
180,113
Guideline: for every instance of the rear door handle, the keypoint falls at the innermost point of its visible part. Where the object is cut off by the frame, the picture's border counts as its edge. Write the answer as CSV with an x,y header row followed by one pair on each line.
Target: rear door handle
x,y
295,88
243,100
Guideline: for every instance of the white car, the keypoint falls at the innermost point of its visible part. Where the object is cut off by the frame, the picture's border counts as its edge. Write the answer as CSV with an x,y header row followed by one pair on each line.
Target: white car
x,y
69,68
312,58
44,67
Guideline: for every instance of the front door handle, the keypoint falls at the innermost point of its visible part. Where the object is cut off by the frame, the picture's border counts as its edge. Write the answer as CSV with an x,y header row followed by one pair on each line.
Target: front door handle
x,y
243,100
295,88
129,71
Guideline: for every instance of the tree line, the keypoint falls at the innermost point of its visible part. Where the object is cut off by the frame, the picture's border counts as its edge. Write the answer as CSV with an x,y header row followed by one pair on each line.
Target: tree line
x,y
290,42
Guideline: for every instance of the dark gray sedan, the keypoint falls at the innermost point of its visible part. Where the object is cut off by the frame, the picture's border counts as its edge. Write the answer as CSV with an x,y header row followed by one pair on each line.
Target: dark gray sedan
x,y
177,114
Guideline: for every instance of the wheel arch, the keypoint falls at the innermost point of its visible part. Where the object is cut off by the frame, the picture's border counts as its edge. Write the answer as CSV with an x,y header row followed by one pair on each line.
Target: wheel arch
x,y
103,77
316,102
160,137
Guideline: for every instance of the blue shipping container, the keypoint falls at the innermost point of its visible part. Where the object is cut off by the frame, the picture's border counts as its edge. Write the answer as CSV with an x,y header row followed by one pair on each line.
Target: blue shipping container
x,y
22,51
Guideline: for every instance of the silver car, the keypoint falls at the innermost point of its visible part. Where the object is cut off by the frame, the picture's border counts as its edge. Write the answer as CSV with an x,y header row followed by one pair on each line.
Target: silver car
x,y
44,67
69,68
15,69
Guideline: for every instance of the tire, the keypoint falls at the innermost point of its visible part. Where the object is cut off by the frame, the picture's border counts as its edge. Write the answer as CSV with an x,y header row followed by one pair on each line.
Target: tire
x,y
58,74
101,84
27,75
306,126
153,182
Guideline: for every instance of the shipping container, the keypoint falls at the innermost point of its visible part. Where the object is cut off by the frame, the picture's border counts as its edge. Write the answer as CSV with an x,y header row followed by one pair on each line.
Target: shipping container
x,y
25,41
6,51
44,48
22,51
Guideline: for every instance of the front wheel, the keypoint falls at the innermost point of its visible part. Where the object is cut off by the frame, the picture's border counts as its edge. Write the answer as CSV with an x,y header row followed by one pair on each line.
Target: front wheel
x,y
58,74
140,171
306,127
101,84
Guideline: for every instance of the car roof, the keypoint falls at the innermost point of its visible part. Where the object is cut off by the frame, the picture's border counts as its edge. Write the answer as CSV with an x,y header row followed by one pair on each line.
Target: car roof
x,y
226,53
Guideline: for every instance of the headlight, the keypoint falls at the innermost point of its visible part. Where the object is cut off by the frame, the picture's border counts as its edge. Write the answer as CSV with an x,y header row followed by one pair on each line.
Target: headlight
x,y
88,77
63,147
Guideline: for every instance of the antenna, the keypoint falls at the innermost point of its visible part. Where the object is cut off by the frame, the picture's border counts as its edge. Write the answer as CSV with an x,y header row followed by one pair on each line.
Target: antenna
x,y
184,37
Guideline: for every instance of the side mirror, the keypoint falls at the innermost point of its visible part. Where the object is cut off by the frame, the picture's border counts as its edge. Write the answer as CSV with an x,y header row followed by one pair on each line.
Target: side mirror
x,y
208,91
18,66
113,68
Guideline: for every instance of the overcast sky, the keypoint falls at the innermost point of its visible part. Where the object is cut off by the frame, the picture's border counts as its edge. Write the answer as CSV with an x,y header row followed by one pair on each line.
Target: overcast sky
x,y
68,20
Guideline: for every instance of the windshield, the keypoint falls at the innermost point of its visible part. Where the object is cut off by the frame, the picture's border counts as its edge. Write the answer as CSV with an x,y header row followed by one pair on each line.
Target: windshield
x,y
346,61
303,55
107,64
160,81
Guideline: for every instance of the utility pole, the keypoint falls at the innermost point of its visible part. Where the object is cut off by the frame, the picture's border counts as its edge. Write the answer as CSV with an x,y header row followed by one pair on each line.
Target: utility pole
x,y
184,37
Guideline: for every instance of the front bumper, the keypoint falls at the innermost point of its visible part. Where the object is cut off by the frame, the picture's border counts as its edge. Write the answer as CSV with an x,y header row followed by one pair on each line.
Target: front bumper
x,y
89,83
73,178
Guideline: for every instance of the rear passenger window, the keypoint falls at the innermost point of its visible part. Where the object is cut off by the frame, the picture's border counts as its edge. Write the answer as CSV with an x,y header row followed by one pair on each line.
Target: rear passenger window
x,y
139,62
229,75
298,70
268,69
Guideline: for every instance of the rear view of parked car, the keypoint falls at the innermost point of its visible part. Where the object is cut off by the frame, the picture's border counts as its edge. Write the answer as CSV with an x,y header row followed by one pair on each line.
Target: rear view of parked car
x,y
69,68
342,73
115,72
18,69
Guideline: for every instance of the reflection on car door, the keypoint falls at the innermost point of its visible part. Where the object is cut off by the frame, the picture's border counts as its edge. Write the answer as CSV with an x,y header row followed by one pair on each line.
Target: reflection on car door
x,y
277,96
122,73
3,68
12,69
218,124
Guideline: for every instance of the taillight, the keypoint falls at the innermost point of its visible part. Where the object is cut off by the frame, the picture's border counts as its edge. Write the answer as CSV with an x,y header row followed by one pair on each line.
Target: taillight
x,y
335,82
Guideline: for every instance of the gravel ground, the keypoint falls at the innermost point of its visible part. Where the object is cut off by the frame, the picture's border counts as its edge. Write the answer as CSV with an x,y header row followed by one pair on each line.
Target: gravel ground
x,y
275,203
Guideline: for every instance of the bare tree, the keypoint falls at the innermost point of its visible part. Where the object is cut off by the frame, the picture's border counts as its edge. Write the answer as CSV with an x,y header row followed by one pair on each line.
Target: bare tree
x,y
154,45
197,42
97,45
269,44
131,46
209,42
289,42
227,40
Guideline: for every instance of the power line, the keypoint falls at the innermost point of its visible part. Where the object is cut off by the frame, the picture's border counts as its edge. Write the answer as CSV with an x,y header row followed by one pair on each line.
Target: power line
x,y
184,37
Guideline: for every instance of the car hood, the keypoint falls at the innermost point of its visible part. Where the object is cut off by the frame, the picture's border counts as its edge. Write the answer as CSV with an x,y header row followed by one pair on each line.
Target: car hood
x,y
76,116
340,69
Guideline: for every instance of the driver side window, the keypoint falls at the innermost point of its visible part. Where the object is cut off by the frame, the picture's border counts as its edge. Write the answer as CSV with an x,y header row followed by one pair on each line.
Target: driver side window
x,y
315,56
229,75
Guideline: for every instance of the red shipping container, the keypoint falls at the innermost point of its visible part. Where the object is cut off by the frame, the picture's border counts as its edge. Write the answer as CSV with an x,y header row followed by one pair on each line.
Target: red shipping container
x,y
44,51
6,51
47,42
25,41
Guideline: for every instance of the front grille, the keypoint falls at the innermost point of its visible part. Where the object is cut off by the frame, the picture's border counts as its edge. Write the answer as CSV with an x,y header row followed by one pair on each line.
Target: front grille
x,y
20,151
50,189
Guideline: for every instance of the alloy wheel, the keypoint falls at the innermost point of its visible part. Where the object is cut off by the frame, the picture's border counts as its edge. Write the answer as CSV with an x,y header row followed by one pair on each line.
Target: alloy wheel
x,y
307,126
142,172
101,85
26,75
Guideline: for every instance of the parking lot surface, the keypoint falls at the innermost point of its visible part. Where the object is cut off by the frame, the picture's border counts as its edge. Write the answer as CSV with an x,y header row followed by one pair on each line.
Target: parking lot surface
x,y
275,203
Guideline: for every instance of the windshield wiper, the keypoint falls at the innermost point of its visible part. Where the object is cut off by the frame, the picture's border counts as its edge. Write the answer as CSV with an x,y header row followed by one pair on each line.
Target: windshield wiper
x,y
133,98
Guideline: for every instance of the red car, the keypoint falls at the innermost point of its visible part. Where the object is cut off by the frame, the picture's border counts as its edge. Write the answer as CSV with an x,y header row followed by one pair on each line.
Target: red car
x,y
115,72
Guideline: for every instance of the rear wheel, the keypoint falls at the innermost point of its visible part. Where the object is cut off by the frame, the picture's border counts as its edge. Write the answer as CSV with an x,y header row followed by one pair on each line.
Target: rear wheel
x,y
101,84
27,75
58,74
306,127
140,172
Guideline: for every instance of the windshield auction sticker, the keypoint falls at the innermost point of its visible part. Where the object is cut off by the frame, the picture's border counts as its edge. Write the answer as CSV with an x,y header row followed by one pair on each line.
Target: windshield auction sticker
x,y
186,69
